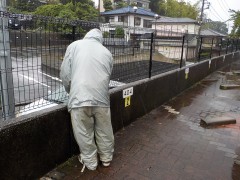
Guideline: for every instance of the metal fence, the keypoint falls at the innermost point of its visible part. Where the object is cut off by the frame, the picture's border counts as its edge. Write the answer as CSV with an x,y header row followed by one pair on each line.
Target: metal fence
x,y
32,61
216,46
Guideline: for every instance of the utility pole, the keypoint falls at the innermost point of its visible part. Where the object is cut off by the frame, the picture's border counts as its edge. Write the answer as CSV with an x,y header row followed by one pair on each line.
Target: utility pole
x,y
6,77
99,9
199,31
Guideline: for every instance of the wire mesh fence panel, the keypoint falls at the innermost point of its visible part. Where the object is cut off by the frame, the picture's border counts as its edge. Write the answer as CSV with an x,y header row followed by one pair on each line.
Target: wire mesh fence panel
x,y
205,49
167,51
130,47
35,46
216,46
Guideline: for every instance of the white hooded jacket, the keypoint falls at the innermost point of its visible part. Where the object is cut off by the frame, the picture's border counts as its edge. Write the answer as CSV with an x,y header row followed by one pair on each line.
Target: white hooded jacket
x,y
86,70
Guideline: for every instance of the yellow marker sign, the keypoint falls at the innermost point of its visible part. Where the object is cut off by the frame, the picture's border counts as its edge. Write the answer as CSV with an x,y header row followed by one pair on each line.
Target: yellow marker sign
x,y
127,101
186,73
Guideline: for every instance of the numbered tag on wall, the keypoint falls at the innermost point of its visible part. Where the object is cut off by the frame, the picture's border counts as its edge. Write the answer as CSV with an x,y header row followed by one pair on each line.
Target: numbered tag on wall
x,y
186,73
127,93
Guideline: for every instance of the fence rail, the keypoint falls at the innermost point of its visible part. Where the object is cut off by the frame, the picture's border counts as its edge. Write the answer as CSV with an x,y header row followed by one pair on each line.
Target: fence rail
x,y
38,44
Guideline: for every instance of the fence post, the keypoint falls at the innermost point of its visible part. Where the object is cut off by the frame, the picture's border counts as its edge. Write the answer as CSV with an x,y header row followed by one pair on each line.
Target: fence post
x,y
6,76
232,44
151,51
227,46
73,32
200,49
183,39
236,45
211,49
220,48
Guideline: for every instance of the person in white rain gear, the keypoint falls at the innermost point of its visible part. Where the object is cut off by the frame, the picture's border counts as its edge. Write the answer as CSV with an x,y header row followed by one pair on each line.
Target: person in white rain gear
x,y
85,73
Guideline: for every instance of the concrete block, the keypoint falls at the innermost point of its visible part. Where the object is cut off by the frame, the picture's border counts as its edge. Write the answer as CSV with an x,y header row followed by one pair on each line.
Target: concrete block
x,y
222,120
229,86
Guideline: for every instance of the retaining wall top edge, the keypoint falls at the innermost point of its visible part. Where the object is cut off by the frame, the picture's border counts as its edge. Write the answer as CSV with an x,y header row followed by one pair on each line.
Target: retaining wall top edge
x,y
26,118
142,81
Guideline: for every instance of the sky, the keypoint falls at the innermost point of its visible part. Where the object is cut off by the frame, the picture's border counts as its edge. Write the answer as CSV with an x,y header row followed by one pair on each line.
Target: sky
x,y
218,10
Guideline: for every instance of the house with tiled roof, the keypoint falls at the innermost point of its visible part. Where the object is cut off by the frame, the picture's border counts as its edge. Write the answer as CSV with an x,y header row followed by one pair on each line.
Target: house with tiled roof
x,y
169,36
134,21
211,33
210,36
212,41
126,16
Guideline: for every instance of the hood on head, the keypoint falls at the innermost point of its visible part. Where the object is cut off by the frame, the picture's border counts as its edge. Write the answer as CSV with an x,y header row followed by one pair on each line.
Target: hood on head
x,y
94,34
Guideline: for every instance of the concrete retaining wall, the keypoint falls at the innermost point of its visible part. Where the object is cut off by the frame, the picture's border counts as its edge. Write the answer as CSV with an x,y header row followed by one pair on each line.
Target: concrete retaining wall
x,y
34,144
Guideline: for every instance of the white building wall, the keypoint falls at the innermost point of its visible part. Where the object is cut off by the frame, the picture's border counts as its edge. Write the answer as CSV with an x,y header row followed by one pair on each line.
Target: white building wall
x,y
131,20
176,52
179,27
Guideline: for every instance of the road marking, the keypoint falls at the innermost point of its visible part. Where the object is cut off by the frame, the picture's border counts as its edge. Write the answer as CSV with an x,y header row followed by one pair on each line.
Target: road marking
x,y
52,77
31,79
171,110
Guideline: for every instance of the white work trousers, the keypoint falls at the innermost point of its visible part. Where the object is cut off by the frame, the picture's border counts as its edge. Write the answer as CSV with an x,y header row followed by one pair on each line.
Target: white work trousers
x,y
89,122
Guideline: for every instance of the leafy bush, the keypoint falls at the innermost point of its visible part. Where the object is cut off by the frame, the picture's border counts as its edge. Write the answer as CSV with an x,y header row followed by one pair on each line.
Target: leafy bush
x,y
105,34
119,32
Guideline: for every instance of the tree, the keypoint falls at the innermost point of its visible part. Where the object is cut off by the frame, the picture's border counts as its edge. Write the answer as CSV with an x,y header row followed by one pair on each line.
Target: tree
x,y
119,32
53,1
65,1
86,10
83,11
49,10
235,16
173,8
105,34
107,4
120,4
26,5
155,5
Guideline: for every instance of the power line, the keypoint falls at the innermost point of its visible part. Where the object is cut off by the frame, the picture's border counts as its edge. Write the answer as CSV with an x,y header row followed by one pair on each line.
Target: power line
x,y
222,7
213,14
226,4
217,13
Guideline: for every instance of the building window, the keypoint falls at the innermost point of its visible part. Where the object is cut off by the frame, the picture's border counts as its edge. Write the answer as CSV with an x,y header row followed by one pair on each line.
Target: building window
x,y
126,19
111,19
111,33
120,18
139,4
147,23
137,21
